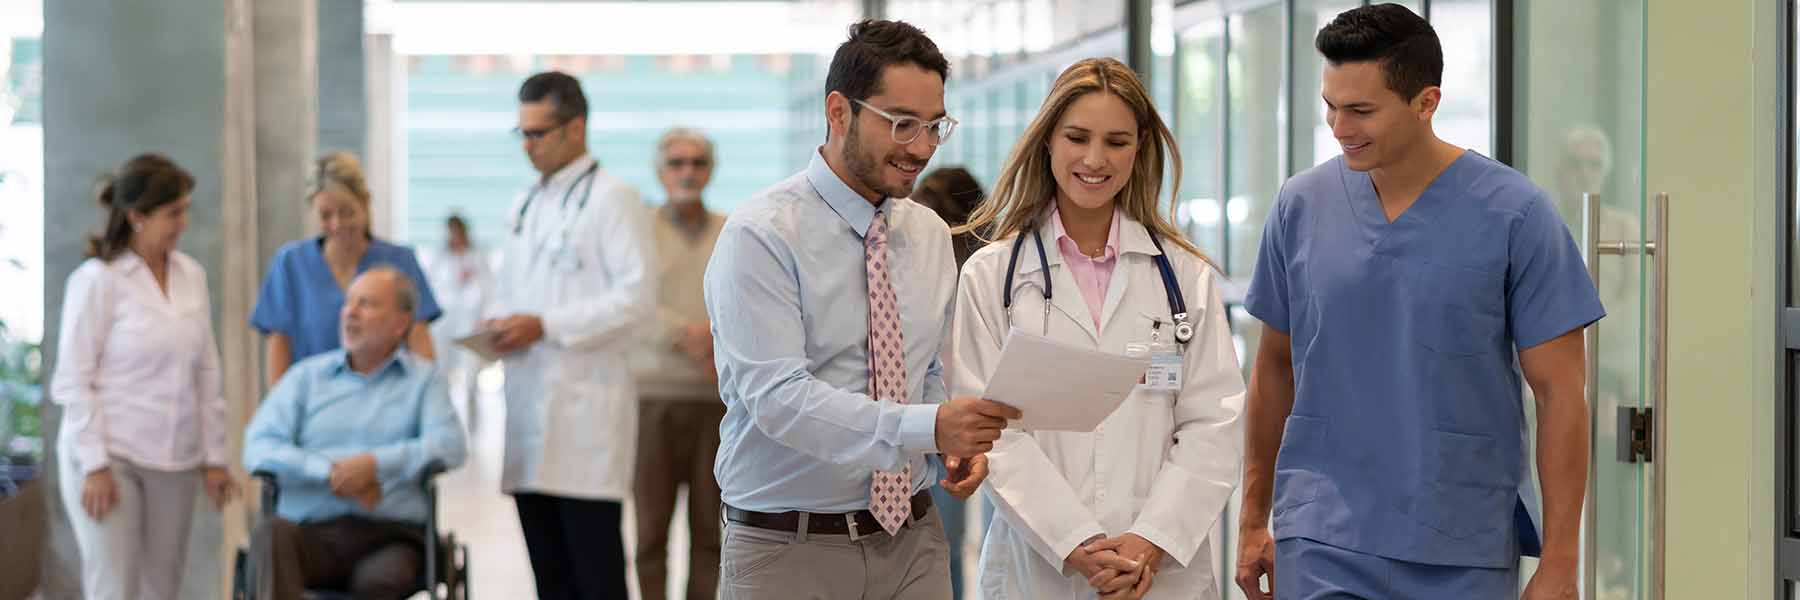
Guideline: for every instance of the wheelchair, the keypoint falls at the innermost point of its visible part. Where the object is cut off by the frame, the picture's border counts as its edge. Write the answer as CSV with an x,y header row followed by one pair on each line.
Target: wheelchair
x,y
443,579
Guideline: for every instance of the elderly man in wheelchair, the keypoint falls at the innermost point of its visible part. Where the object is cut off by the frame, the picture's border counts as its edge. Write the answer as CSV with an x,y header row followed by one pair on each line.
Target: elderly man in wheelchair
x,y
352,437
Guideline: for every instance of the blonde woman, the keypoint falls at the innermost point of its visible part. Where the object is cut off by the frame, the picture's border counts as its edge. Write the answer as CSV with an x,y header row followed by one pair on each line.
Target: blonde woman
x,y
297,310
1083,255
137,374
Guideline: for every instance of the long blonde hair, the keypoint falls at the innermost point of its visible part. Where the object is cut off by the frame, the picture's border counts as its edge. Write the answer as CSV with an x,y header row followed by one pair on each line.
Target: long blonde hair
x,y
1027,185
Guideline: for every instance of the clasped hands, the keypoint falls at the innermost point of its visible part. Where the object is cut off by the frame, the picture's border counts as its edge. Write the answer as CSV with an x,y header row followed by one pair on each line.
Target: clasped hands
x,y
1117,567
354,478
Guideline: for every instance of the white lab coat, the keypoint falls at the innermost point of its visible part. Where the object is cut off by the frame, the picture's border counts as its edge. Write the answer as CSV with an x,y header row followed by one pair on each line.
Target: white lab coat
x,y
571,422
463,284
1162,466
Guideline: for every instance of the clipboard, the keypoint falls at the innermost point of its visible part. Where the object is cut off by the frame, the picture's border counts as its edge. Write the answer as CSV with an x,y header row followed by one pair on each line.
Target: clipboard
x,y
483,343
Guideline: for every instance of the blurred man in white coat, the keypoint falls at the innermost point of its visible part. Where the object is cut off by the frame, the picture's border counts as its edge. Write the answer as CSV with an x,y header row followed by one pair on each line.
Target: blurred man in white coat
x,y
576,280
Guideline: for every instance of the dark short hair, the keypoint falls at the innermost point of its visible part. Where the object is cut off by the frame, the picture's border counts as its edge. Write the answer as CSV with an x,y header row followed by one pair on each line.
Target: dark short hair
x,y
457,222
874,46
562,90
952,192
1403,43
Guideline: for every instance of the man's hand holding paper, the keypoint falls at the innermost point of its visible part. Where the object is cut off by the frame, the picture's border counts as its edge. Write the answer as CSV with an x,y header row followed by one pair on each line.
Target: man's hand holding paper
x,y
968,426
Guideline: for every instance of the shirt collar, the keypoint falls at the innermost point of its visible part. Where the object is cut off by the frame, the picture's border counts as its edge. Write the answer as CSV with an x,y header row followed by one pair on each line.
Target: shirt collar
x,y
1062,236
128,262
848,204
339,363
571,171
1127,237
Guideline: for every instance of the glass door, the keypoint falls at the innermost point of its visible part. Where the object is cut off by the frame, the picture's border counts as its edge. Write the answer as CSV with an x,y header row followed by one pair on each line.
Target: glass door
x,y
1578,132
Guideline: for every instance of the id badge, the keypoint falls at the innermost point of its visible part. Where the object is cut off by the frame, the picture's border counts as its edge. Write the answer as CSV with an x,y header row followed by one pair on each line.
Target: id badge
x,y
1164,374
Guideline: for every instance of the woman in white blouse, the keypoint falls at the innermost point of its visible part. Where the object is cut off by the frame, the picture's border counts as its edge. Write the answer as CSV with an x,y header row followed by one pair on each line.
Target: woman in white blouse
x,y
143,425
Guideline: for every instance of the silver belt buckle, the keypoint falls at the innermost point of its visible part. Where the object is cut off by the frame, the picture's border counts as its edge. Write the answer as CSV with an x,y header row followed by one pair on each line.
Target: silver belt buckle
x,y
850,521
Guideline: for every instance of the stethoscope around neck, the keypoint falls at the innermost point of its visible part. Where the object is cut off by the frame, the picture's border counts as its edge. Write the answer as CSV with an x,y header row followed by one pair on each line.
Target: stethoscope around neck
x,y
525,207
1184,329
562,241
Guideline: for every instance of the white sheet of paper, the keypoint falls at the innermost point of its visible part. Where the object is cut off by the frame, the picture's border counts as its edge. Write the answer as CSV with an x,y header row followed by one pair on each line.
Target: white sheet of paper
x,y
1059,387
482,343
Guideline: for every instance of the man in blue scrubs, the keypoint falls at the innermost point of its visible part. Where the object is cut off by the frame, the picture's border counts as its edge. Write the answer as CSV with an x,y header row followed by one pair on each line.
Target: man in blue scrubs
x,y
1404,287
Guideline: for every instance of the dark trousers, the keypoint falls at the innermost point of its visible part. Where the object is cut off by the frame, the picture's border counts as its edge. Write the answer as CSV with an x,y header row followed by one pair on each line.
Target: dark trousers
x,y
371,559
576,547
677,441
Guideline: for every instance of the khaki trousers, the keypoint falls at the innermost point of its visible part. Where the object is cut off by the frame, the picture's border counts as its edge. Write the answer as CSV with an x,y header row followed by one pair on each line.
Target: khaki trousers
x,y
677,441
759,564
139,551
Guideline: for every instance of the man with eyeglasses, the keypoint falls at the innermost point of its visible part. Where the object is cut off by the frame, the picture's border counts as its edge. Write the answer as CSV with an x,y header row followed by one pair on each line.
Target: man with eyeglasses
x,y
678,407
577,279
829,295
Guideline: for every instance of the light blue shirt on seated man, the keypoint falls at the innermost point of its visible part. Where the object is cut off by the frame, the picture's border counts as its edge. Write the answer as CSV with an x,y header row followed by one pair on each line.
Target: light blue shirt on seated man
x,y
787,292
323,411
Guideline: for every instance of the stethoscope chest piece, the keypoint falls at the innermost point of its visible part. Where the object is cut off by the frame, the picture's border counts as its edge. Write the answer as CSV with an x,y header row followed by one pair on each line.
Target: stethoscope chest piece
x,y
1184,330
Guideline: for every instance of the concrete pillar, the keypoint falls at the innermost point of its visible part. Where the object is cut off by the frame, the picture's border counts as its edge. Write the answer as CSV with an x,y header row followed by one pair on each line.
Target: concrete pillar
x,y
117,83
386,78
287,55
342,97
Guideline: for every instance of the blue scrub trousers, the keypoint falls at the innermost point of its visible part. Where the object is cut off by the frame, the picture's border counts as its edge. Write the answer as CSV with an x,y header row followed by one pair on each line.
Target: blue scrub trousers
x,y
1309,570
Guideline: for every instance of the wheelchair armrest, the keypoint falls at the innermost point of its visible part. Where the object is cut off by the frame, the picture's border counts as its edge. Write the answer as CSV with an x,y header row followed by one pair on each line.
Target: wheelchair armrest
x,y
428,485
271,491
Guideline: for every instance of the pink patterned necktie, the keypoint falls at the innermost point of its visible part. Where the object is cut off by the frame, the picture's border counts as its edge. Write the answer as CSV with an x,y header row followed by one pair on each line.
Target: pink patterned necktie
x,y
890,493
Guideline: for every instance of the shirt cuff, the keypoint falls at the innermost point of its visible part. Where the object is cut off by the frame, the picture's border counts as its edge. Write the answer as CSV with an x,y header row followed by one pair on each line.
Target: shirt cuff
x,y
390,462
316,468
918,428
1067,546
555,325
92,458
217,458
1172,550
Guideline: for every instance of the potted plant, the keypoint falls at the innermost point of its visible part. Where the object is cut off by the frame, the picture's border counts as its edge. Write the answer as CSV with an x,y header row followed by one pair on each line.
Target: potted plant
x,y
21,399
22,496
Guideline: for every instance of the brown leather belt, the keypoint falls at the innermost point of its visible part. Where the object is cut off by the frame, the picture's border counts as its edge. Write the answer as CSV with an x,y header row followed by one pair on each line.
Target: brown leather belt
x,y
857,524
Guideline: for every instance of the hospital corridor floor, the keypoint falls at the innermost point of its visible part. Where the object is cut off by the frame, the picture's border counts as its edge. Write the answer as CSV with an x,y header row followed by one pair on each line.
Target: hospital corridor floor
x,y
470,505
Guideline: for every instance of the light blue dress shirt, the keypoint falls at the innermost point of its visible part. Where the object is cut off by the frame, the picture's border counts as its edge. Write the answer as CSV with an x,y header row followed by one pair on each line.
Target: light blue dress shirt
x,y
1406,439
788,296
323,411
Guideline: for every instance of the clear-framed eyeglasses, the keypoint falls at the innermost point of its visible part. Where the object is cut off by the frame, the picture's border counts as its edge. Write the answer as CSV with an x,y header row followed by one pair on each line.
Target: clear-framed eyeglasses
x,y
906,129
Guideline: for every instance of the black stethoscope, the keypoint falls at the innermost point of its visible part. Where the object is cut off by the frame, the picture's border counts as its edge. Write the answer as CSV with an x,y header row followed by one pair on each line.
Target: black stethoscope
x,y
1184,329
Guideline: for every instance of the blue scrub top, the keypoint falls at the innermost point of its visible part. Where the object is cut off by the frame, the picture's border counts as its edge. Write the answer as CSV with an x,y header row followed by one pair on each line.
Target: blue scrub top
x,y
301,299
1407,436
